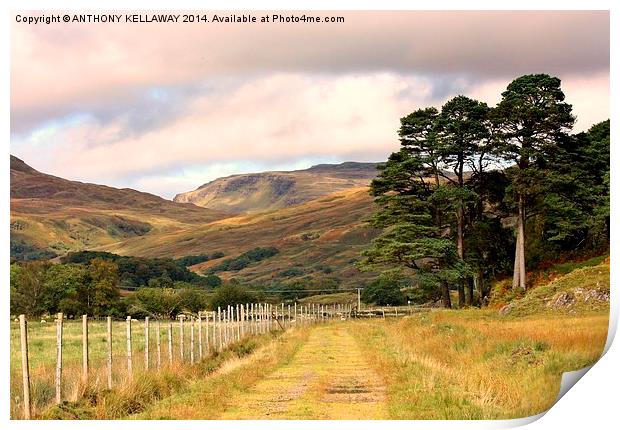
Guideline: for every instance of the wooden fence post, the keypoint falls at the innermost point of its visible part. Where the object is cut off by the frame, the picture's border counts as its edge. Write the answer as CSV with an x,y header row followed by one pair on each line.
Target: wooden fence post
x,y
227,315
59,358
158,329
182,342
295,313
208,343
85,349
128,329
109,352
146,343
219,328
242,315
238,319
199,336
170,342
23,331
252,319
246,315
191,341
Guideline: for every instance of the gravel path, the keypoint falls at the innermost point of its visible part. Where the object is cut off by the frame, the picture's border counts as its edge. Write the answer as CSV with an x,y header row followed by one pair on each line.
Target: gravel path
x,y
328,378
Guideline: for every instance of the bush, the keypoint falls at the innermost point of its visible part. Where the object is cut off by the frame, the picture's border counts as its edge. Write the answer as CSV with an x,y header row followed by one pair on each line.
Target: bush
x,y
231,294
242,261
190,260
289,273
384,291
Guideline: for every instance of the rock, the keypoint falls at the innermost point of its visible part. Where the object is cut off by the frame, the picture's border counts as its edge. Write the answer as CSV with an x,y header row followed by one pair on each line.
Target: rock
x,y
506,309
600,295
561,300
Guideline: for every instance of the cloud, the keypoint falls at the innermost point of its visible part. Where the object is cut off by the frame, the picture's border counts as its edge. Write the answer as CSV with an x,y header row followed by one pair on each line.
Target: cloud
x,y
262,123
56,69
286,116
104,103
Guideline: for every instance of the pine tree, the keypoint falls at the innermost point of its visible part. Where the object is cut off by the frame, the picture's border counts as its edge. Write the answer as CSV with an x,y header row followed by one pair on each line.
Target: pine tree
x,y
461,131
412,238
532,118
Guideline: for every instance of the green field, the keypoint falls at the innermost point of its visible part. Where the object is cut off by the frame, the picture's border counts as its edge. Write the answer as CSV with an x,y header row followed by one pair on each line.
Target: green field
x,y
42,356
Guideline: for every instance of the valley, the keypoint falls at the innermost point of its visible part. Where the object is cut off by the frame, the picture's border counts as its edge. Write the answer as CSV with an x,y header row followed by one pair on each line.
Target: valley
x,y
317,239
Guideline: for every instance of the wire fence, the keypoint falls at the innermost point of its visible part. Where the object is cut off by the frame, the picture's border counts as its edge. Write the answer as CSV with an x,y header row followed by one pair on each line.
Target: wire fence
x,y
54,361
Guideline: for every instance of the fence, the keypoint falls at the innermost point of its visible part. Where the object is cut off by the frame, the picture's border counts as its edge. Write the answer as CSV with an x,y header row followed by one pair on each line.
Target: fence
x,y
95,352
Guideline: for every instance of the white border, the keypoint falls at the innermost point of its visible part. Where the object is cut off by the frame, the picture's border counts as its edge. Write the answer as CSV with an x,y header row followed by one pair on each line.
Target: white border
x,y
594,400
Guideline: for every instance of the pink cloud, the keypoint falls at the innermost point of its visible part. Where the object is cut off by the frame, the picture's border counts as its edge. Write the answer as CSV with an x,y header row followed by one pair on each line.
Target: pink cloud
x,y
69,66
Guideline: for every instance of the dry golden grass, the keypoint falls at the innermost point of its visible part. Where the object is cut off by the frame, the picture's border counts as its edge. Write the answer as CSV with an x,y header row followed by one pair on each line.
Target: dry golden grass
x,y
207,398
474,365
466,364
42,353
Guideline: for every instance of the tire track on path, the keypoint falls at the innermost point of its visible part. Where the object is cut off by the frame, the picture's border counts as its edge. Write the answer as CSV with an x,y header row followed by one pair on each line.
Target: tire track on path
x,y
328,378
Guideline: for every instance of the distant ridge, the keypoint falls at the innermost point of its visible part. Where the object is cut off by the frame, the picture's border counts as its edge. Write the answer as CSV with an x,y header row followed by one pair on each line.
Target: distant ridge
x,y
257,192
50,211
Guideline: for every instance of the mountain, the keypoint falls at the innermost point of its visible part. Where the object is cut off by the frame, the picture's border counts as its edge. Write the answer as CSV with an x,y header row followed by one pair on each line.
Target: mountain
x,y
258,192
60,215
316,240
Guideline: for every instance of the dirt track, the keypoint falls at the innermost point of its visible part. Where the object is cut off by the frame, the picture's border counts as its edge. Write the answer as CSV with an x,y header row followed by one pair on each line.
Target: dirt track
x,y
328,378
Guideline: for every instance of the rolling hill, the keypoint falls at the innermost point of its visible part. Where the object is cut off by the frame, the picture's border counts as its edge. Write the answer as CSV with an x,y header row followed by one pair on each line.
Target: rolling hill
x,y
48,212
258,192
318,240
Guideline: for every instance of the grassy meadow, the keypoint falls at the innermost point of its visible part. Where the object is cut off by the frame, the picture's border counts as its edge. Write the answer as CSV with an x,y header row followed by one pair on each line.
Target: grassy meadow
x,y
477,365
436,365
42,357
461,364
428,364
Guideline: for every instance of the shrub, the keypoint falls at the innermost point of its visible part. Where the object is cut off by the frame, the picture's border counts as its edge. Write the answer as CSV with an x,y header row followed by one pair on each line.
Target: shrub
x,y
242,261
231,294
384,291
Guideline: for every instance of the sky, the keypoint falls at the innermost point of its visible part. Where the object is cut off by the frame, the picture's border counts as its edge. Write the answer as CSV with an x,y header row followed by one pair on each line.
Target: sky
x,y
164,108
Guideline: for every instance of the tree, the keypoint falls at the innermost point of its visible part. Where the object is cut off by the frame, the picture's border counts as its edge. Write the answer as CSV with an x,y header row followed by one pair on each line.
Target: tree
x,y
159,302
28,288
575,207
384,291
487,241
531,119
193,300
101,295
230,294
461,131
410,237
62,283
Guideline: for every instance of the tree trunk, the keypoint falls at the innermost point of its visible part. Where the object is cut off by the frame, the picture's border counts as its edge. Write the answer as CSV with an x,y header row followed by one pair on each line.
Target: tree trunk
x,y
518,278
478,280
521,242
445,295
471,300
459,249
461,290
460,219
437,212
515,272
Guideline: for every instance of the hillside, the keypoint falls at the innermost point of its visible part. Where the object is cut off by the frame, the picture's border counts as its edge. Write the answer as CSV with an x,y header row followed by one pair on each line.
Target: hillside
x,y
316,240
257,192
52,213
580,291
